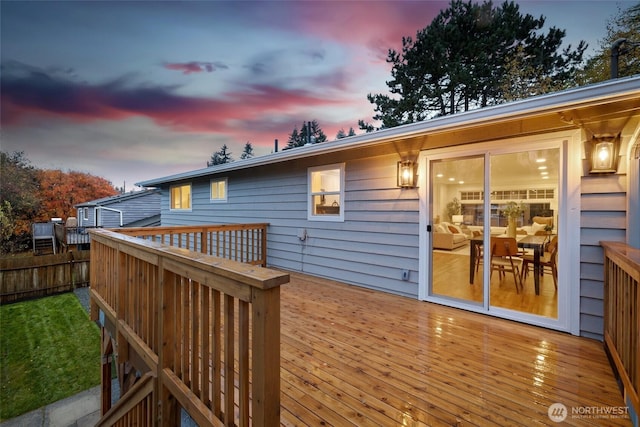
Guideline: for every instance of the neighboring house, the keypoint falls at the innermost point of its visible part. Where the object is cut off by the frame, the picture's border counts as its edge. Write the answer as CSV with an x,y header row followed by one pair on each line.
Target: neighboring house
x,y
134,209
342,210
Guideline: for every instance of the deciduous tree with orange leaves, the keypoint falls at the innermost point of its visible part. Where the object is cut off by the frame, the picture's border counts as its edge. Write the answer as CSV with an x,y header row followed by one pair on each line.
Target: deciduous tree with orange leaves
x,y
60,191
29,194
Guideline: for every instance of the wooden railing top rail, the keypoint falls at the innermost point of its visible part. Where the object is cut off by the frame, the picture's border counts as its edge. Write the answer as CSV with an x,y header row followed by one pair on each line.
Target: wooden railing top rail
x,y
625,256
248,274
152,231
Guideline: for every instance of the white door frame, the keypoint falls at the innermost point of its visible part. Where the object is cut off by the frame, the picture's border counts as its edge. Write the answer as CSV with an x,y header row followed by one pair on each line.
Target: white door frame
x,y
568,215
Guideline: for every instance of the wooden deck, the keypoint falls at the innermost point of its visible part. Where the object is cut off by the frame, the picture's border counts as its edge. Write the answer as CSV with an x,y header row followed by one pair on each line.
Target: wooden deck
x,y
350,356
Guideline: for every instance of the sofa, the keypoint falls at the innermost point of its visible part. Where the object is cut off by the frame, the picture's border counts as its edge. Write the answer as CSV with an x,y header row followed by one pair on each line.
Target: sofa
x,y
448,236
538,224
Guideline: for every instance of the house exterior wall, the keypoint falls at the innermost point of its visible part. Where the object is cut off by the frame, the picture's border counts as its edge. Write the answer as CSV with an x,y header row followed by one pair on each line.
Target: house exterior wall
x,y
133,209
89,220
377,240
602,217
379,237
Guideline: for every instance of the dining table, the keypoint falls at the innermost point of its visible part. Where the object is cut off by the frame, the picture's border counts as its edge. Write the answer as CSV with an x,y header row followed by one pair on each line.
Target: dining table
x,y
524,241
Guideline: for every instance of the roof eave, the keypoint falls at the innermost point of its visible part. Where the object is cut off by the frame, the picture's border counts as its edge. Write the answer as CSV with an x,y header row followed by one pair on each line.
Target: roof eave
x,y
522,108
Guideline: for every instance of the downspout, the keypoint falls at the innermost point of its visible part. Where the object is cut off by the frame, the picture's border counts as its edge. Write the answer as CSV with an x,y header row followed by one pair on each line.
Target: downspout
x,y
108,209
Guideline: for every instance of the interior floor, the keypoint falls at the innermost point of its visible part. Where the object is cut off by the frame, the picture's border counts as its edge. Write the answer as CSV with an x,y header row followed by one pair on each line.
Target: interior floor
x,y
451,279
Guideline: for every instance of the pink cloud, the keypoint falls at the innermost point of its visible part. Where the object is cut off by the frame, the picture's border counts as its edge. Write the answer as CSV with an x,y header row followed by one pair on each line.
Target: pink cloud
x,y
38,94
377,25
194,66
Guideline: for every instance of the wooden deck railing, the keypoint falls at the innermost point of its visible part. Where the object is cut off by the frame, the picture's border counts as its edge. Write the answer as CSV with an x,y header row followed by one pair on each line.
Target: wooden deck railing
x,y
71,236
207,328
239,242
622,316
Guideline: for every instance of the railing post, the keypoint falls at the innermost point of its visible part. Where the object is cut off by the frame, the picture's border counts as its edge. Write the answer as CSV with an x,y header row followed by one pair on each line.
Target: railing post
x,y
263,232
266,356
167,405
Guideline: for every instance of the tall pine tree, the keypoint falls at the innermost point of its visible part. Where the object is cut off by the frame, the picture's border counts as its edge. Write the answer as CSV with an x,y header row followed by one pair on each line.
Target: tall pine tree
x,y
310,132
461,60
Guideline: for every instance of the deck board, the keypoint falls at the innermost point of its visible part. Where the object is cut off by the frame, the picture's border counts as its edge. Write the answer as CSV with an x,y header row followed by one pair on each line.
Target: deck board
x,y
352,356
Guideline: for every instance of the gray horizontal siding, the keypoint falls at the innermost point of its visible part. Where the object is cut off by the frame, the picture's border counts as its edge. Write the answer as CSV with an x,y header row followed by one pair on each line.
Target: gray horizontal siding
x,y
133,209
377,240
603,217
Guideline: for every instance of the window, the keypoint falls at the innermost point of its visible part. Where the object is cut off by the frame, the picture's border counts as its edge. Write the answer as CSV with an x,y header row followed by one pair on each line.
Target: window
x,y
85,214
218,190
181,197
326,193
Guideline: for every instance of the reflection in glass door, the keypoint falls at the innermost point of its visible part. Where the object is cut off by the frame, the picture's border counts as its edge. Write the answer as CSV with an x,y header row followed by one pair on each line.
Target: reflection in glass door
x,y
457,217
466,225
524,207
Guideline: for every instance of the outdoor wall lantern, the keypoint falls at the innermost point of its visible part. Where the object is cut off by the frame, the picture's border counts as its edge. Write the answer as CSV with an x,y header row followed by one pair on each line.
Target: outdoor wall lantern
x,y
604,154
406,174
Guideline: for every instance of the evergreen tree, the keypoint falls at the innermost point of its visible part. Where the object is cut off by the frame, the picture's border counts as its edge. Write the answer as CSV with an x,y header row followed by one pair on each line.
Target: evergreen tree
x,y
461,60
220,157
365,126
342,134
247,153
310,132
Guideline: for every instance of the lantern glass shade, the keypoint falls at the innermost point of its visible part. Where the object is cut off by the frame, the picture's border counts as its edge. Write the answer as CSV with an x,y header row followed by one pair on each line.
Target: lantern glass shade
x,y
406,174
604,155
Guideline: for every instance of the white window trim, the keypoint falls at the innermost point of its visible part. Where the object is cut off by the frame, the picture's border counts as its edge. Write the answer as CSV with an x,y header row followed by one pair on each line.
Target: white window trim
x,y
569,203
333,218
171,208
226,190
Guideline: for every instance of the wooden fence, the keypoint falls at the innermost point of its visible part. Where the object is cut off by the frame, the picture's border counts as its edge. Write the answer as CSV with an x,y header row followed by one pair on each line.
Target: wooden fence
x,y
207,330
622,316
30,277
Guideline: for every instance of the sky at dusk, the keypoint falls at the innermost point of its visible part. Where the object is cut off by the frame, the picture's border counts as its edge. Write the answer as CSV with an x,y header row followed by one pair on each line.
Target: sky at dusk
x,y
131,91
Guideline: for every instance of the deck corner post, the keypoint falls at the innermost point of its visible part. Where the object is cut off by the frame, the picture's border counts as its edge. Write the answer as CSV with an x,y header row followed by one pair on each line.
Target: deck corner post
x,y
266,357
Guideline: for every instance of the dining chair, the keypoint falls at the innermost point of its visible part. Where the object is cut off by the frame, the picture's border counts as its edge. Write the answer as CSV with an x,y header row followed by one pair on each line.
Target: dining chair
x,y
548,260
479,250
504,258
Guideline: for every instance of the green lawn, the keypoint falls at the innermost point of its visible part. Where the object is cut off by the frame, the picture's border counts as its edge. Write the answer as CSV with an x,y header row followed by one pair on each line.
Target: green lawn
x,y
49,350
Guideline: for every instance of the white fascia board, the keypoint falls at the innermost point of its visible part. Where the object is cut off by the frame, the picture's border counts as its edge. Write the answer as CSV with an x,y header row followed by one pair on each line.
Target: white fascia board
x,y
584,95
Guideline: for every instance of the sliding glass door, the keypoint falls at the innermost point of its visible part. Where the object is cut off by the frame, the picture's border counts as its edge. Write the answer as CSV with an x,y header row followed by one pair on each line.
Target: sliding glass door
x,y
524,193
479,200
453,271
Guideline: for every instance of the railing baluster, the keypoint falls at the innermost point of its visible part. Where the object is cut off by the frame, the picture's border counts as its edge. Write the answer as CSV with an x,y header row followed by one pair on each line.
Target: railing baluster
x,y
622,316
229,356
175,315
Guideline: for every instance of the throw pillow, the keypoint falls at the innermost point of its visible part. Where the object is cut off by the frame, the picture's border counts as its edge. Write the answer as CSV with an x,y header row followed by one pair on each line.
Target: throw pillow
x,y
453,230
535,227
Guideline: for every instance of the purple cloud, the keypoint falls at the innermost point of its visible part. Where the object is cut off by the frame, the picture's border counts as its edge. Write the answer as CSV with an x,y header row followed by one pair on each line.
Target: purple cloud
x,y
195,66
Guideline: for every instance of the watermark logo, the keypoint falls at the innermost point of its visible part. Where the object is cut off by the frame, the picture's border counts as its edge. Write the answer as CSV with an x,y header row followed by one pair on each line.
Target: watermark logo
x,y
557,412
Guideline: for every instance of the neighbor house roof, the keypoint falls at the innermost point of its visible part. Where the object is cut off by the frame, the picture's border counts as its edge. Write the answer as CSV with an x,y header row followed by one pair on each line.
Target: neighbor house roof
x,y
560,105
118,198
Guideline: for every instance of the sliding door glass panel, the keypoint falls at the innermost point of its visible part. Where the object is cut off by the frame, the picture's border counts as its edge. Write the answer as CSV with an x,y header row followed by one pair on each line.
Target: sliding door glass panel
x,y
524,206
457,215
